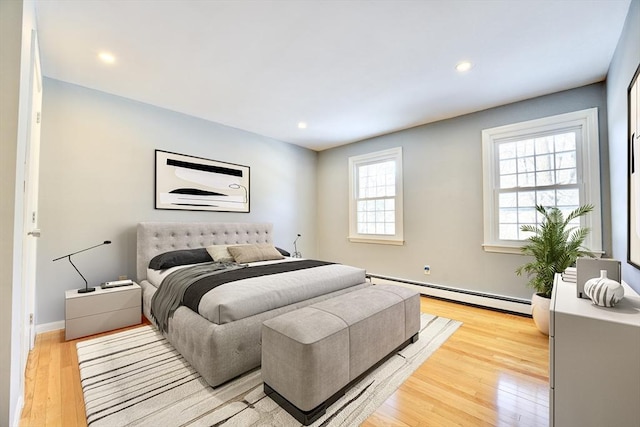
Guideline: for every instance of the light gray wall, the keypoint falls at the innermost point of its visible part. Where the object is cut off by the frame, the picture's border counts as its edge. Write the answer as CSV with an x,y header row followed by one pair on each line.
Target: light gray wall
x,y
97,183
624,64
443,211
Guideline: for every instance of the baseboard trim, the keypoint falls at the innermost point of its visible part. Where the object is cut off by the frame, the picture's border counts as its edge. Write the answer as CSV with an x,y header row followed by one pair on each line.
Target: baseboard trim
x,y
464,296
48,327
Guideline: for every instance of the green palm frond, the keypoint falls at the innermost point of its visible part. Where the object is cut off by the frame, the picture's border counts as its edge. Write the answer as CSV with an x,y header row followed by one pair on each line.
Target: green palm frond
x,y
555,245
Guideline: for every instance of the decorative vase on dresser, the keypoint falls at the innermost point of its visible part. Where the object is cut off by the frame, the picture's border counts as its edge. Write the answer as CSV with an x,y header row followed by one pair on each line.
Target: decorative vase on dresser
x,y
603,291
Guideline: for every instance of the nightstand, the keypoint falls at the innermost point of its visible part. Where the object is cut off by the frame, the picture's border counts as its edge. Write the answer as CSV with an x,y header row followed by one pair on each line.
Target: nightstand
x,y
102,310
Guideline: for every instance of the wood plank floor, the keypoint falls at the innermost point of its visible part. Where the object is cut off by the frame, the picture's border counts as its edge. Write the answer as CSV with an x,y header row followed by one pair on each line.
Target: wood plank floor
x,y
493,371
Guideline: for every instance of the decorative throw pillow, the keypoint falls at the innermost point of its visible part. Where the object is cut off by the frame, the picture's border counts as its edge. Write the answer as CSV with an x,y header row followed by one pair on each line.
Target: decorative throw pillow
x,y
179,257
283,252
253,253
219,253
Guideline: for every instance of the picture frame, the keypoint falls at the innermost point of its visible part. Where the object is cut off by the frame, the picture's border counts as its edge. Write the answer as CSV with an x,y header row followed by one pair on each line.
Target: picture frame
x,y
633,174
184,182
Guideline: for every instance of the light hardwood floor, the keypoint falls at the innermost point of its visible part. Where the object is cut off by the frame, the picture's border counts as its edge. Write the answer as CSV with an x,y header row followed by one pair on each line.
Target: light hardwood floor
x,y
493,371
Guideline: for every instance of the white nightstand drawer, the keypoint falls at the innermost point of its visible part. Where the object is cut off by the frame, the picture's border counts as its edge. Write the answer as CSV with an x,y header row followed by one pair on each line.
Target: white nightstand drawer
x,y
102,301
89,325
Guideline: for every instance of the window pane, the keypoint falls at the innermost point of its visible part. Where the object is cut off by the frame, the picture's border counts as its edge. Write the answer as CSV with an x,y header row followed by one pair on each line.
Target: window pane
x,y
527,216
526,164
507,150
389,204
544,145
566,176
508,181
526,180
566,160
544,163
507,166
508,232
569,197
527,198
508,215
566,142
508,200
544,178
525,148
547,198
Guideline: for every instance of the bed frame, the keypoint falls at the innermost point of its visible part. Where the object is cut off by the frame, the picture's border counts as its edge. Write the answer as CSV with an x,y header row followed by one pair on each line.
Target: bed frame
x,y
218,352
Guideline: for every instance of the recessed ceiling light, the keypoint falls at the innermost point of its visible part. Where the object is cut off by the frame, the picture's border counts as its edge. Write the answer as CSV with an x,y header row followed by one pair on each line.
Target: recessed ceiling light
x,y
463,66
107,57
302,125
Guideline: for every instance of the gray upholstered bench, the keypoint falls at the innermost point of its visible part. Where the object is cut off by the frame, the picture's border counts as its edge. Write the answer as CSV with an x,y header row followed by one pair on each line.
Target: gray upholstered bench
x,y
311,356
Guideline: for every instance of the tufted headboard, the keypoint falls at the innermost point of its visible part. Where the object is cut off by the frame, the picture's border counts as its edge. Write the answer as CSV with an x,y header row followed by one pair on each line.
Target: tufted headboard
x,y
157,237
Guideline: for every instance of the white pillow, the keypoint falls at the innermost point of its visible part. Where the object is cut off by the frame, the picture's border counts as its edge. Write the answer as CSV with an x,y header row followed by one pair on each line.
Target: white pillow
x,y
220,253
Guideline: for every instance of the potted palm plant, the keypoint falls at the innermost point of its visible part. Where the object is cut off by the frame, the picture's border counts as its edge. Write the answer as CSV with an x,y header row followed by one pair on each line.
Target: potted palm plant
x,y
554,245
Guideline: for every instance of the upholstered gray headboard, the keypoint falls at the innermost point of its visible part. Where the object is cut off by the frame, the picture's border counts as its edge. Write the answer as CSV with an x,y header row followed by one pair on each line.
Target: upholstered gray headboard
x,y
158,237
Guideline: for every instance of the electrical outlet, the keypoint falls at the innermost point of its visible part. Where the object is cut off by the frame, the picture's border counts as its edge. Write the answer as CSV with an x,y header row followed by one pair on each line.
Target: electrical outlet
x,y
427,269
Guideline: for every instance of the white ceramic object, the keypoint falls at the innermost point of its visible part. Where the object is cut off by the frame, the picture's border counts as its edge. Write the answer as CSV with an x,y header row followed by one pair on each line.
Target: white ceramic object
x,y
603,291
540,312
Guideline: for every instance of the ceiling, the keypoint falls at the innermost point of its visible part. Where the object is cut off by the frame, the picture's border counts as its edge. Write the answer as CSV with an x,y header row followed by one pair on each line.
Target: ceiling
x,y
351,70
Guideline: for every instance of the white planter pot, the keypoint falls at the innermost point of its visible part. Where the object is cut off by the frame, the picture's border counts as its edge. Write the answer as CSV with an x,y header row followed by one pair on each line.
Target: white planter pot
x,y
540,312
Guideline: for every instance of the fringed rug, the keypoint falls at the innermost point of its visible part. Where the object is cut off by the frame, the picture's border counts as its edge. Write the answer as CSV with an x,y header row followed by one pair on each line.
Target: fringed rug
x,y
136,378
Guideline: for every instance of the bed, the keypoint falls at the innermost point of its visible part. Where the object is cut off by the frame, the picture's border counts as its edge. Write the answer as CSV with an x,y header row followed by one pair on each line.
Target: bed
x,y
227,343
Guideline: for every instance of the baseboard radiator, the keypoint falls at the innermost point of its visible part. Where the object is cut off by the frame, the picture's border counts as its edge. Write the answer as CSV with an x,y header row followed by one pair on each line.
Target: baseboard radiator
x,y
465,296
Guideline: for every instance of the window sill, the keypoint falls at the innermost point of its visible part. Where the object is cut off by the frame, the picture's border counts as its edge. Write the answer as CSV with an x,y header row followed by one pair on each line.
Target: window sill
x,y
376,241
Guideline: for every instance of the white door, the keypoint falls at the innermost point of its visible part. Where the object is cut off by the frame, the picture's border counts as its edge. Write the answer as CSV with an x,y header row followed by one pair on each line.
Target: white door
x,y
31,231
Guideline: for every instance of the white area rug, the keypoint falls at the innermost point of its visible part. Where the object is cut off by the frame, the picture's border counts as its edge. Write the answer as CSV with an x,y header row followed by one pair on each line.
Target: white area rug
x,y
136,378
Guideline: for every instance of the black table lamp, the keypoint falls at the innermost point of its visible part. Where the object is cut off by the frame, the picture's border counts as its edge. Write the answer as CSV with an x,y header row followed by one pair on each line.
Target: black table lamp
x,y
296,254
68,256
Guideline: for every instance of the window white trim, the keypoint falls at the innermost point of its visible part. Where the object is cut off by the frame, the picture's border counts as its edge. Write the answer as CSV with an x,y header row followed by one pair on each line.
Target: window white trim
x,y
588,173
394,154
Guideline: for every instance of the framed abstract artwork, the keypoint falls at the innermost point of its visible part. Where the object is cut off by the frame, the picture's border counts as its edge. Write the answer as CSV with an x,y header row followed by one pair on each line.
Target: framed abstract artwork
x,y
633,184
192,183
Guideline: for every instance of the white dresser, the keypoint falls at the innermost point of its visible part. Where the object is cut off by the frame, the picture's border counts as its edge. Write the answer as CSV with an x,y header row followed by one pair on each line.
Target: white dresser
x,y
102,310
594,366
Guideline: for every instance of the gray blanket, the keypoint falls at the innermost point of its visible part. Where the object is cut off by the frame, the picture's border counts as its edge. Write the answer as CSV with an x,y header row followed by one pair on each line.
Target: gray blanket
x,y
169,295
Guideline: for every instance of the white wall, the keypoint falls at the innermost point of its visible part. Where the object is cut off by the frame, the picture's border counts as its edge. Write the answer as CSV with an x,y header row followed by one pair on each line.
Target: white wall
x,y
97,183
624,64
443,217
17,19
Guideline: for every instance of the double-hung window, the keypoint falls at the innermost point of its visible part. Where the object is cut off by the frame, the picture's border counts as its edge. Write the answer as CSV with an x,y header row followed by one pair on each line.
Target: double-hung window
x,y
552,162
375,207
